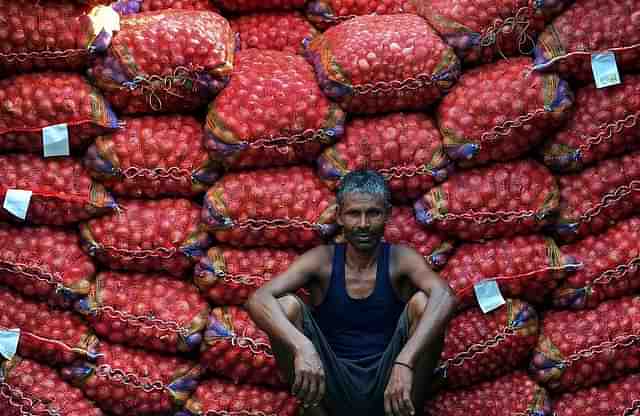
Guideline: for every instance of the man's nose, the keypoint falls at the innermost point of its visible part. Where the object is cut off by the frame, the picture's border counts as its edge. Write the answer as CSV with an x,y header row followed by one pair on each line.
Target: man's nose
x,y
364,221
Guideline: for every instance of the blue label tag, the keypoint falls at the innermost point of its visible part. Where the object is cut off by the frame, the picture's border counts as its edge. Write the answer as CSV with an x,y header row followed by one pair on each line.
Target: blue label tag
x,y
55,140
488,295
16,201
9,340
605,69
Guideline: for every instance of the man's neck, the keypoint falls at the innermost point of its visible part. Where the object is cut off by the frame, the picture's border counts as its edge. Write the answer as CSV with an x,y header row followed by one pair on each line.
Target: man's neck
x,y
361,260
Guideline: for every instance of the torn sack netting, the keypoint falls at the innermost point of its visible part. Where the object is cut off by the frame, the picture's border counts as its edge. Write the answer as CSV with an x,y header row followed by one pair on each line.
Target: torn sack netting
x,y
48,335
280,31
166,61
62,190
126,7
578,349
31,389
406,148
272,113
610,269
619,397
482,346
146,235
526,267
604,123
513,394
245,6
235,348
32,102
153,156
221,397
372,64
44,262
280,207
500,200
325,13
499,111
588,27
150,311
126,381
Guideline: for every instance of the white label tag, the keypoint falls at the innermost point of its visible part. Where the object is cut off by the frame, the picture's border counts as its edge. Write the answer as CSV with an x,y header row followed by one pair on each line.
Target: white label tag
x,y
9,340
16,201
55,140
488,295
605,69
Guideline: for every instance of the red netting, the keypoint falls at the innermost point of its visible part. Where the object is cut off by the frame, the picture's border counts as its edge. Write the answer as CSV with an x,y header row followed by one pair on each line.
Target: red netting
x,y
500,200
32,102
578,349
161,235
404,147
152,5
620,398
44,262
272,113
325,13
374,64
586,27
234,347
499,111
30,389
150,311
253,5
282,207
153,156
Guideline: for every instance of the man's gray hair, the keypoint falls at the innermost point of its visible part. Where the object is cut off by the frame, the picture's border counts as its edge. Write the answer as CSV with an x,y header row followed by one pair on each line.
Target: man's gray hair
x,y
364,182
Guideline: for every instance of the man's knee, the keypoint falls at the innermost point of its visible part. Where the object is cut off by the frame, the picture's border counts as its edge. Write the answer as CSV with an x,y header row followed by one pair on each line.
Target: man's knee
x,y
292,309
416,307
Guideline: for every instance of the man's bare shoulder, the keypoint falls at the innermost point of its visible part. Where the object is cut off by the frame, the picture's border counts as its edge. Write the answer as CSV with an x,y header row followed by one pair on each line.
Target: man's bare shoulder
x,y
404,258
318,257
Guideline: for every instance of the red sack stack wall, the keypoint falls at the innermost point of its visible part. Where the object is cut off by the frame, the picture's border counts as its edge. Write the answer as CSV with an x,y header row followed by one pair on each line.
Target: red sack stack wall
x,y
620,397
244,6
325,13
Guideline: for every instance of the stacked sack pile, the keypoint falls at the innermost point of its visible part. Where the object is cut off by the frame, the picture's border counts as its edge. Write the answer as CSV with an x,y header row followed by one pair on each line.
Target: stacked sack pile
x,y
162,159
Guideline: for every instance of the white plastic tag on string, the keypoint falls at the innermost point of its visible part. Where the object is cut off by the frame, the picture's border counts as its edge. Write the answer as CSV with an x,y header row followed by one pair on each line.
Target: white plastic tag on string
x,y
488,295
9,340
16,201
55,140
605,69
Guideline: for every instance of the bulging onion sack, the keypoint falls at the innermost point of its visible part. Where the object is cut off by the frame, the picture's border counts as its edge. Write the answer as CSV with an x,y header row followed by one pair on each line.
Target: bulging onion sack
x,y
146,310
500,200
235,348
610,267
29,388
604,123
578,349
244,6
160,235
280,207
480,347
126,381
126,7
44,262
48,335
272,113
525,267
588,27
372,64
406,148
153,156
325,13
166,61
620,397
499,111
33,102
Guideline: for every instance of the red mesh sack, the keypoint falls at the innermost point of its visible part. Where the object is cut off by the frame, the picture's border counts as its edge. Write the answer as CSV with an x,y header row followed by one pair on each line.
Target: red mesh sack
x,y
406,148
281,207
610,267
513,394
234,347
220,397
126,7
325,13
48,335
526,267
146,310
594,199
127,381
587,27
153,156
31,102
372,64
495,201
29,388
161,235
281,31
620,397
62,190
499,111
479,347
169,61
44,262
243,6
578,349
604,124
272,113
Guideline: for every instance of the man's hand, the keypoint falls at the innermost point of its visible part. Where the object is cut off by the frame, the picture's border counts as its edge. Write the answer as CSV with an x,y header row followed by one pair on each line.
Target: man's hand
x,y
309,382
397,396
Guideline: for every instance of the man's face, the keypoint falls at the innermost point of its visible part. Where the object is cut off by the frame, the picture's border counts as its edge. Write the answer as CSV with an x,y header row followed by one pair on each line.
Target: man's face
x,y
363,217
